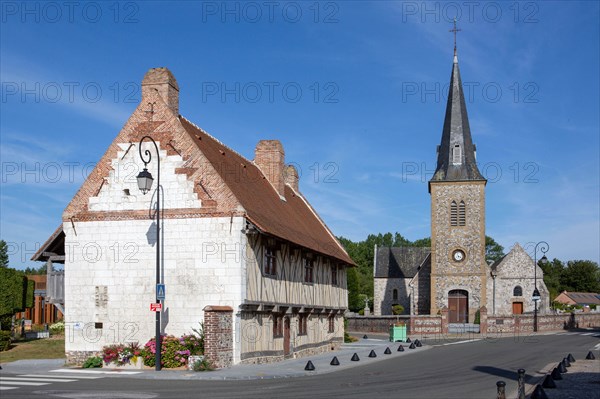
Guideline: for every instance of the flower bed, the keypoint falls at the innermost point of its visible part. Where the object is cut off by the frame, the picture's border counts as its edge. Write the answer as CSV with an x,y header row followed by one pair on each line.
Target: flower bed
x,y
123,356
174,351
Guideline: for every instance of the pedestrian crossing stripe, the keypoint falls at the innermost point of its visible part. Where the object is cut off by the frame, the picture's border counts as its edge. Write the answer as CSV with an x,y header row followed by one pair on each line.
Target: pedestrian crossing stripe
x,y
79,377
35,379
2,382
77,371
6,388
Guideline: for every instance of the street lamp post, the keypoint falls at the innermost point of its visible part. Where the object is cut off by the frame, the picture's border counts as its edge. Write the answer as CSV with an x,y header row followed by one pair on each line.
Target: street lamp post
x,y
145,180
536,293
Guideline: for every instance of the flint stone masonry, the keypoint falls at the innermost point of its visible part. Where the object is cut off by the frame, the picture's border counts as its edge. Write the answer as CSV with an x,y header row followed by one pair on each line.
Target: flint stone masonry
x,y
218,333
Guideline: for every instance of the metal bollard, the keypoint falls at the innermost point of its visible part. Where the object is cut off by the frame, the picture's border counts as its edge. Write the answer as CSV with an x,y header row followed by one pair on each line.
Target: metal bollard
x,y
521,388
501,390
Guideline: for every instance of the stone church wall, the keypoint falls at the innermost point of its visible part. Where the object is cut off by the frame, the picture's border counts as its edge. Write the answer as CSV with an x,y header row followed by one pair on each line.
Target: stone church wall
x,y
383,295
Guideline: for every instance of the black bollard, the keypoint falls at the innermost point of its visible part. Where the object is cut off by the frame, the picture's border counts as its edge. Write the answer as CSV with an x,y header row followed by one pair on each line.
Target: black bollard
x,y
387,351
372,353
561,368
521,384
309,366
556,374
400,348
538,393
418,343
355,358
365,336
408,340
571,358
412,345
548,382
335,361
590,356
501,386
566,362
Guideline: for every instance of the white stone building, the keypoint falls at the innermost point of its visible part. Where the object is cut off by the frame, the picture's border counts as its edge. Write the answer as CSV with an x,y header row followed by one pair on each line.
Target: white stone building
x,y
235,233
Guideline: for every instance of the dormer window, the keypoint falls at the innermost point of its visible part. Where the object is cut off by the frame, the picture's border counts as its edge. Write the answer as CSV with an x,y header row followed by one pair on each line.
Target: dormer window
x,y
456,155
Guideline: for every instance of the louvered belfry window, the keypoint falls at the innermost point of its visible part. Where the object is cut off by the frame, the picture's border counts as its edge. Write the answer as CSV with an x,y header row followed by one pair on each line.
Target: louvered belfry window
x,y
462,214
458,214
456,154
453,214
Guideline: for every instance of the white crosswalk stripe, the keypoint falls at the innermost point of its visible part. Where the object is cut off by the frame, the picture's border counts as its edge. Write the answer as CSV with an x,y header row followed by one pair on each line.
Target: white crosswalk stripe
x,y
35,380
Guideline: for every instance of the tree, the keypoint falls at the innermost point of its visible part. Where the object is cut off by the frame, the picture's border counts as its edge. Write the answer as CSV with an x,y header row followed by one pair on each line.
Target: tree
x,y
353,295
422,242
553,275
581,276
493,250
3,254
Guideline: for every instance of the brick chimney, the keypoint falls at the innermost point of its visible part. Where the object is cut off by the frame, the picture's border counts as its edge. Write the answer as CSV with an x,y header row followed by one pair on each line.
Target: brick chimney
x,y
290,176
163,81
269,157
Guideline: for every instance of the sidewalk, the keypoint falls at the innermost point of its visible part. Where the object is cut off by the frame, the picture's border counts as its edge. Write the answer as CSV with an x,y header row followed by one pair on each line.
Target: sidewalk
x,y
284,369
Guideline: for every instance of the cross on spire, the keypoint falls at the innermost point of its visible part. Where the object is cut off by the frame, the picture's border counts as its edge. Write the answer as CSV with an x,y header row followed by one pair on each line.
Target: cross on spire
x,y
454,30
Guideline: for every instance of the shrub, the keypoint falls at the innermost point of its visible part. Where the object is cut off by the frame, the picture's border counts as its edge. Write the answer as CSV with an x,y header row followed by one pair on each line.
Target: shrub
x,y
593,306
58,327
173,352
397,309
4,340
121,354
202,365
477,318
194,344
92,362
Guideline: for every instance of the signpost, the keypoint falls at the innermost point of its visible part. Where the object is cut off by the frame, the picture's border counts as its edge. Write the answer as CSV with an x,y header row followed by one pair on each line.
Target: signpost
x,y
155,307
160,292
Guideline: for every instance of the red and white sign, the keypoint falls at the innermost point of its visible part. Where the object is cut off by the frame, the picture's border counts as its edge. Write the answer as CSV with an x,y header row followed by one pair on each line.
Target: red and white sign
x,y
155,307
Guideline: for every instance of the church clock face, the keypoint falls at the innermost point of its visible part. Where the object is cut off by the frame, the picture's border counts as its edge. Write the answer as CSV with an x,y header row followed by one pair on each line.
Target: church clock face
x,y
458,255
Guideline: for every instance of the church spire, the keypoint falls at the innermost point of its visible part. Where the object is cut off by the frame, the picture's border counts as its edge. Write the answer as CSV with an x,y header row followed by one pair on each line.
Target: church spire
x,y
456,153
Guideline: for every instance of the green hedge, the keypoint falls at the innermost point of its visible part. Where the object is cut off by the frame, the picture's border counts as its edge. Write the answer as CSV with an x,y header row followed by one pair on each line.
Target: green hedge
x,y
4,340
14,291
29,294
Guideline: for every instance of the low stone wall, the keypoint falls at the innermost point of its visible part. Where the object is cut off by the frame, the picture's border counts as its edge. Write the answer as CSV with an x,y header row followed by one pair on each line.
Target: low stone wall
x,y
524,323
425,325
375,324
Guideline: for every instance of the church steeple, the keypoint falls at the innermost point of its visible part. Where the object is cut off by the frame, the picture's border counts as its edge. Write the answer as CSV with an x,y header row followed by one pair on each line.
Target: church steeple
x,y
456,153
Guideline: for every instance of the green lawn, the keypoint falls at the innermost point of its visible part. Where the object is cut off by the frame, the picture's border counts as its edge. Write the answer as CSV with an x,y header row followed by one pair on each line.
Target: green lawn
x,y
51,348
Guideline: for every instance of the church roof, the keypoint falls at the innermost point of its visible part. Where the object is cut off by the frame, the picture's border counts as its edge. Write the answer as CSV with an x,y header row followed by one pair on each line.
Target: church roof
x,y
456,153
583,298
399,262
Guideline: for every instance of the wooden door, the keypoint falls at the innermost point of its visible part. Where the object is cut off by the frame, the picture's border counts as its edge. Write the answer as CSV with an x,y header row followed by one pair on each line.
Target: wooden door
x,y
286,336
458,306
517,307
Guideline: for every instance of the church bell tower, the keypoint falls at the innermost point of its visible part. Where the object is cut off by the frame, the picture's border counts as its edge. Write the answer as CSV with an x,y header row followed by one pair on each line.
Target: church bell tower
x,y
457,189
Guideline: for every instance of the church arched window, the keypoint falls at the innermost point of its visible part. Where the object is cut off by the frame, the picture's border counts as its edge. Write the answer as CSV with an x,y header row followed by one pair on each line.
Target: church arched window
x,y
462,214
395,294
518,291
453,214
456,154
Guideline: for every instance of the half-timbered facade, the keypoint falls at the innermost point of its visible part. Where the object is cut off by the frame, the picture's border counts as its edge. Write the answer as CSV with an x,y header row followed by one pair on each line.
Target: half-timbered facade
x,y
236,234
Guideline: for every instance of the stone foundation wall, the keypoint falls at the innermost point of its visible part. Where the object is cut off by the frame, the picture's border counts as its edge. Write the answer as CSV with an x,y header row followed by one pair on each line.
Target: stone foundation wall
x,y
314,349
77,358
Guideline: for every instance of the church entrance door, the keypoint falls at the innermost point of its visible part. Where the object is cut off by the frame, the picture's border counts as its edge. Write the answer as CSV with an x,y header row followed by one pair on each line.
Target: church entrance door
x,y
458,306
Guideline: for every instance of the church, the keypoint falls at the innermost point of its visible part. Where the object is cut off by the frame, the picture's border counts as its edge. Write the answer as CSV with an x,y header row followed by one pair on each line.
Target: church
x,y
453,273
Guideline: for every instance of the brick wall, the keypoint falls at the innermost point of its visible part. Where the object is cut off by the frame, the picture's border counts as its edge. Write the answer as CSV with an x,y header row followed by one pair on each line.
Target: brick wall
x,y
218,335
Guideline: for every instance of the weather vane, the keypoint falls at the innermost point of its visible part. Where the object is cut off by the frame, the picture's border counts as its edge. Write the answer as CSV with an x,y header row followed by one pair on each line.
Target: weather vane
x,y
454,30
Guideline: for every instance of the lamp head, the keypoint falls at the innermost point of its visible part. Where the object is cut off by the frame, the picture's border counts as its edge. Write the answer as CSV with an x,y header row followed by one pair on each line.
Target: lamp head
x,y
145,180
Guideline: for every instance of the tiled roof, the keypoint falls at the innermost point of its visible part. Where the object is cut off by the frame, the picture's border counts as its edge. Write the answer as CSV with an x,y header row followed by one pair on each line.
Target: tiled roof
x,y
584,297
292,219
399,262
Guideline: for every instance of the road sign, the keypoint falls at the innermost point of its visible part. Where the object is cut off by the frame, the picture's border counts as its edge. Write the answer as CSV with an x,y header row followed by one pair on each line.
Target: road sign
x,y
160,292
155,307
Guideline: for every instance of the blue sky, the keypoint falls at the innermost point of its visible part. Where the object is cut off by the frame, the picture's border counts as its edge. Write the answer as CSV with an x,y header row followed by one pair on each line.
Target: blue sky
x,y
354,90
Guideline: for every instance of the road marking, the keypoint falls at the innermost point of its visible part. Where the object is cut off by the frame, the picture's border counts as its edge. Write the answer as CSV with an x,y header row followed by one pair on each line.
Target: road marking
x,y
460,342
95,372
7,388
591,333
2,382
597,347
33,379
79,377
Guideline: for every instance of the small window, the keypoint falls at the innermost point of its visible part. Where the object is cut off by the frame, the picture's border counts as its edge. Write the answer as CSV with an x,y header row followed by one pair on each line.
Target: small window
x,y
395,294
302,324
453,214
270,262
334,275
308,271
331,322
456,154
277,326
518,291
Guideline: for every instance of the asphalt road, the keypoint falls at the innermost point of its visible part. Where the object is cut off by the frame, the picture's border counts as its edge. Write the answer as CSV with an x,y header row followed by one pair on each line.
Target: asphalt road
x,y
459,370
